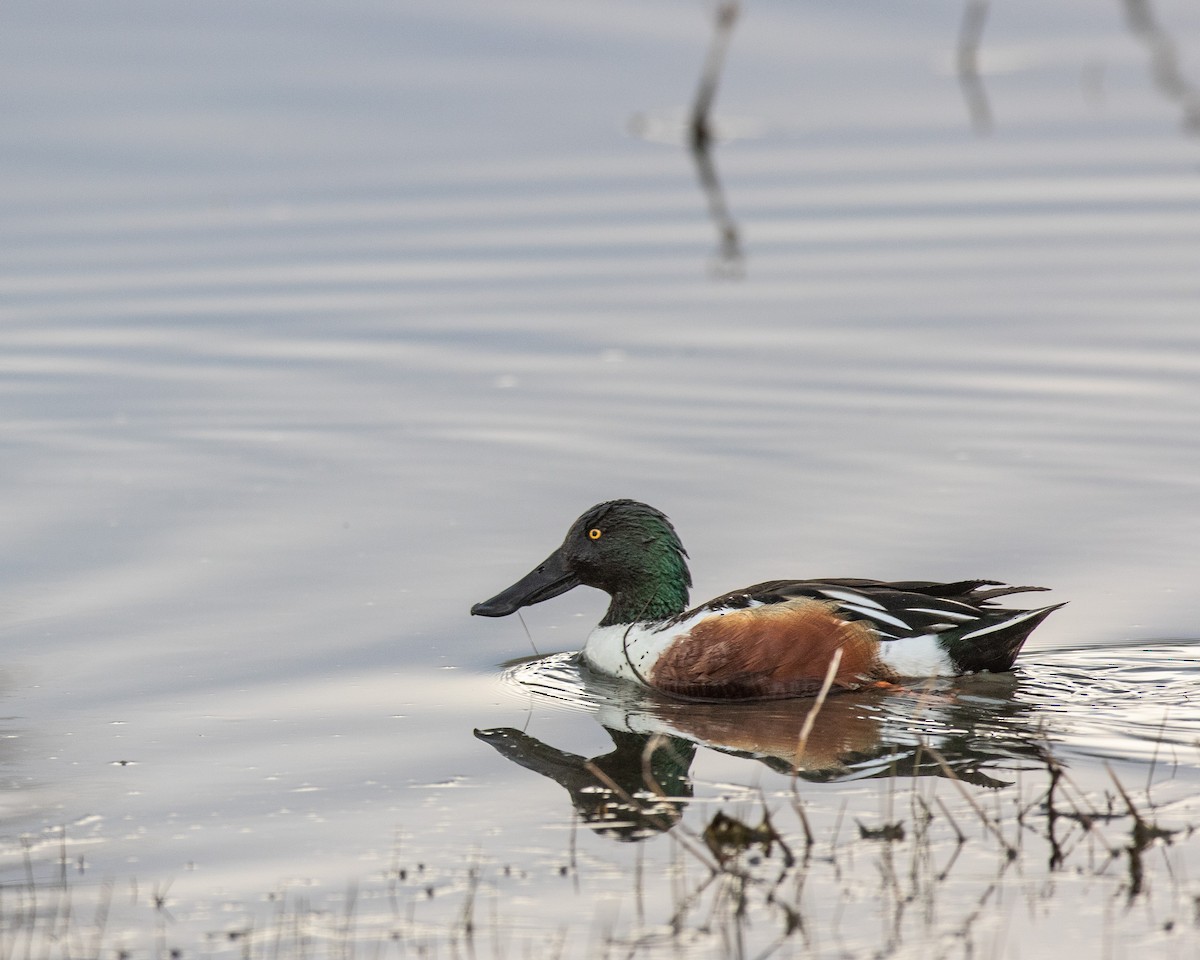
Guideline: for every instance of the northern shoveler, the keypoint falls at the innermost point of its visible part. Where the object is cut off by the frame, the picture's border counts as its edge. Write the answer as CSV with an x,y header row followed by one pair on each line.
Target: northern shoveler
x,y
774,639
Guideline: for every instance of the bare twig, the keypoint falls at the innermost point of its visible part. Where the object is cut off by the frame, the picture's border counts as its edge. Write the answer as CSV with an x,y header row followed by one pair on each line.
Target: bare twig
x,y
1009,850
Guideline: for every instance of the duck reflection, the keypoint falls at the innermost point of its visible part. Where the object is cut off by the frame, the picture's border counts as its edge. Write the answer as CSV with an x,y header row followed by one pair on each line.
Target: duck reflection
x,y
974,730
636,790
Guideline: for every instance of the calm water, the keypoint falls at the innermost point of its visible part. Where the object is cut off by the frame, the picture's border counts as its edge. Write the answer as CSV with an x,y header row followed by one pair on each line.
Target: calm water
x,y
319,325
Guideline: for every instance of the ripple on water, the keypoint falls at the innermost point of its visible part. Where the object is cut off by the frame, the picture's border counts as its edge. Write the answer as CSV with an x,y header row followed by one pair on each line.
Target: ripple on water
x,y
559,681
1120,702
1136,704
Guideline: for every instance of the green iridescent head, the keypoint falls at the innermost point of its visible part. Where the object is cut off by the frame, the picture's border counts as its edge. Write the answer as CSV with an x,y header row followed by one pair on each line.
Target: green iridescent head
x,y
623,547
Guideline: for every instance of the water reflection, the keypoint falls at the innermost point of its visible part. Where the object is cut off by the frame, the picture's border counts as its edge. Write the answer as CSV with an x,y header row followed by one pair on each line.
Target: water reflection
x,y
970,36
729,257
730,261
1143,25
1164,62
699,132
975,730
636,790
700,136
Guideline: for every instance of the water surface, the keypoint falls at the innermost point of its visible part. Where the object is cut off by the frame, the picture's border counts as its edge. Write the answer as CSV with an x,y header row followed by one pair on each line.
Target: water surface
x,y
316,329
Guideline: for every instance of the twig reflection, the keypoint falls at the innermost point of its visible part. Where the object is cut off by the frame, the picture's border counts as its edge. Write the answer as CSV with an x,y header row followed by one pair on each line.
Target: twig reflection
x,y
700,134
1164,62
700,140
970,36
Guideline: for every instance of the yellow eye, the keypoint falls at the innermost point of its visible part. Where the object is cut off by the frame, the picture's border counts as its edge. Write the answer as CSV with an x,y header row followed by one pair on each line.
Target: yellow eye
x,y
594,533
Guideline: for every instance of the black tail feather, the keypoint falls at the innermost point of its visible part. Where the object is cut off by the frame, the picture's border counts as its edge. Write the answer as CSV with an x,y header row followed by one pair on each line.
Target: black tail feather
x,y
994,646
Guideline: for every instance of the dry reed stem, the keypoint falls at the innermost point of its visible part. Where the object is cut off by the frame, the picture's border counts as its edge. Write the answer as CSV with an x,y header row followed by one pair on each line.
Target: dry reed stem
x,y
1009,849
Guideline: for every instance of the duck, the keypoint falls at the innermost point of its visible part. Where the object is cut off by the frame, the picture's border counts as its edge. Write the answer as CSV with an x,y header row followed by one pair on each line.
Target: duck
x,y
772,640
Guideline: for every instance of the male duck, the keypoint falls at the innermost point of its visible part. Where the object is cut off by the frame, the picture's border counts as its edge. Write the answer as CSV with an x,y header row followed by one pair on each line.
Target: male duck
x,y
774,639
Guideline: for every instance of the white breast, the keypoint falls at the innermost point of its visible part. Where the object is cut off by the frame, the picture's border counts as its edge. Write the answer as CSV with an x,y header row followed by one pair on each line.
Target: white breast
x,y
628,651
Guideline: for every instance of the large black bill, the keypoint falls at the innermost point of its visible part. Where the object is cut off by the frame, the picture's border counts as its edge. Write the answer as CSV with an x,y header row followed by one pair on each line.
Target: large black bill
x,y
549,580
